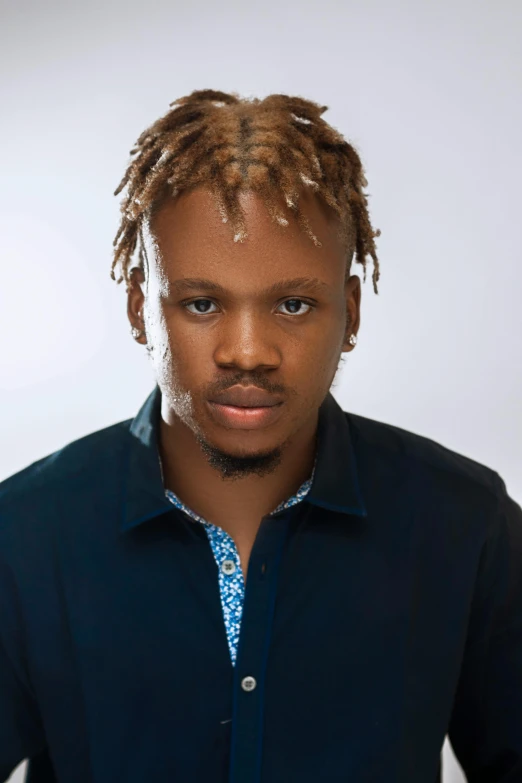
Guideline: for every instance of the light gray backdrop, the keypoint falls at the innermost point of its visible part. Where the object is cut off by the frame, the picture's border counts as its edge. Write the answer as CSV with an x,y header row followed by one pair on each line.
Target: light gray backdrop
x,y
430,92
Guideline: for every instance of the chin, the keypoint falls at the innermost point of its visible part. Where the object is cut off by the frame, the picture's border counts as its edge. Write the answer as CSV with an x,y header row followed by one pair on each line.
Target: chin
x,y
237,460
243,443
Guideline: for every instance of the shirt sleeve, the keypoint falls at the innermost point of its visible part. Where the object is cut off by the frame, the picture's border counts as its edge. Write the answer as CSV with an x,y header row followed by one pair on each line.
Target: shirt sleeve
x,y
486,724
21,731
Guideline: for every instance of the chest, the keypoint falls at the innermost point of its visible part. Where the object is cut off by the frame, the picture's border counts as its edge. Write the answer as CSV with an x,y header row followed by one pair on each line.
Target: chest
x,y
346,646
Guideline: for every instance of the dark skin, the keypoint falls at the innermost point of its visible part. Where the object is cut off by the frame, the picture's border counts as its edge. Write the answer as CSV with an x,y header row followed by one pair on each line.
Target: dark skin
x,y
241,335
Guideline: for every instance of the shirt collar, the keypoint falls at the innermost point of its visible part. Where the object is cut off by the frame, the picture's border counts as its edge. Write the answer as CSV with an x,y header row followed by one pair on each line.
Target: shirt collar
x,y
335,483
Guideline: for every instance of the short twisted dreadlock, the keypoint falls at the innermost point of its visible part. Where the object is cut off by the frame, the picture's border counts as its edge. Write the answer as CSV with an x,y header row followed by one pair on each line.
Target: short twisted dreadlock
x,y
273,146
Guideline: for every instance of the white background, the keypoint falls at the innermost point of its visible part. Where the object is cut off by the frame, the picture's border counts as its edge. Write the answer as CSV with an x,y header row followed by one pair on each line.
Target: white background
x,y
429,92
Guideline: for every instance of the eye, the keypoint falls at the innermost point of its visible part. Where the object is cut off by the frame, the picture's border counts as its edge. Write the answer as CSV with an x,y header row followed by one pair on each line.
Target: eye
x,y
201,306
293,302
198,302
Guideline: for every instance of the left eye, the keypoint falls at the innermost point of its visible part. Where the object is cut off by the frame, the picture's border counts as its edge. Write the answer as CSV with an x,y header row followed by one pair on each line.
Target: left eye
x,y
293,302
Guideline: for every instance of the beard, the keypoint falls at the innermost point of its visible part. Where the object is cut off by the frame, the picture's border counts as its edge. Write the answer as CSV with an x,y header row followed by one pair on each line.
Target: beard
x,y
232,467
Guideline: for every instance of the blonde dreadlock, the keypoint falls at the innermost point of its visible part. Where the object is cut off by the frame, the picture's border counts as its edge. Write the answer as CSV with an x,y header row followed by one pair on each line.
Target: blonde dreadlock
x,y
273,146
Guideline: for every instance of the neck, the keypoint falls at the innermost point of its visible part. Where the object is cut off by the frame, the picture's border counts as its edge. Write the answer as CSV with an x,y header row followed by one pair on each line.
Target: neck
x,y
232,504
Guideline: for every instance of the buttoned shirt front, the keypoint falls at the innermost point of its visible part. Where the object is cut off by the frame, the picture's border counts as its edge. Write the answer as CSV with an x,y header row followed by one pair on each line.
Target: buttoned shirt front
x,y
226,555
382,611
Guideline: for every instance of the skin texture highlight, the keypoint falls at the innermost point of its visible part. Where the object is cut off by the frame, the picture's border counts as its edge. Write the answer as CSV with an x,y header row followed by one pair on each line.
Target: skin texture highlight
x,y
202,341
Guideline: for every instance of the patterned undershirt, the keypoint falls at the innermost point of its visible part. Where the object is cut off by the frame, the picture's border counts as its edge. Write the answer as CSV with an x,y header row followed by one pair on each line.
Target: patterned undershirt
x,y
231,580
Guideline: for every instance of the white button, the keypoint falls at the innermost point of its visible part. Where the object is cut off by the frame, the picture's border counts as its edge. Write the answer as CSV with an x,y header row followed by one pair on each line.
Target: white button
x,y
228,566
248,683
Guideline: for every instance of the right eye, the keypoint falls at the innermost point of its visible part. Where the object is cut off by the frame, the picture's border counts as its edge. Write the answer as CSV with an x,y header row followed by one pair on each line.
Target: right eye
x,y
186,305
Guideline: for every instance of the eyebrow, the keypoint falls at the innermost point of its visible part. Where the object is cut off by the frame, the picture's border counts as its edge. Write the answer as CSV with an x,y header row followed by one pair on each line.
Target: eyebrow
x,y
301,283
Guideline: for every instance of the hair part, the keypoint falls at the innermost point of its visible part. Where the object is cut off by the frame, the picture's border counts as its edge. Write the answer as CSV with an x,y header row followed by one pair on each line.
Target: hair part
x,y
275,146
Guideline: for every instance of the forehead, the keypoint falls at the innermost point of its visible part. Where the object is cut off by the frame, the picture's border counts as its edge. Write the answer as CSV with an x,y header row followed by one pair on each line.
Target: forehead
x,y
186,236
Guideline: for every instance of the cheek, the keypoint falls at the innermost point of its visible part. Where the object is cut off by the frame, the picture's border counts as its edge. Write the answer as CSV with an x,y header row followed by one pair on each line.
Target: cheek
x,y
158,340
175,354
321,350
317,365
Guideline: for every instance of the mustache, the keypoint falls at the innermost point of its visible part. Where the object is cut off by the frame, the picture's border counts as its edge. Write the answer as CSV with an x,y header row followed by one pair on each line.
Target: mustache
x,y
241,380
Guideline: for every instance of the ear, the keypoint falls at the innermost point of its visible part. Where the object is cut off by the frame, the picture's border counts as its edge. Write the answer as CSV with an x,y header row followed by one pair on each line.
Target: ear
x,y
352,293
135,302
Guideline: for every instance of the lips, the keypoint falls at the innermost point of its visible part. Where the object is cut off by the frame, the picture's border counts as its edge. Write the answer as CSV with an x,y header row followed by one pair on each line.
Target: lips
x,y
246,397
245,408
242,418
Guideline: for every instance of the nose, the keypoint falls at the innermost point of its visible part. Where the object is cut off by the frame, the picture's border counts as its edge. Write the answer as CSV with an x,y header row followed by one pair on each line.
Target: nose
x,y
247,342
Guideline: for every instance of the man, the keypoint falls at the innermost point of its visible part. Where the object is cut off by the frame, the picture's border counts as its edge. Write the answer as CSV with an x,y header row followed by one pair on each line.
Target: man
x,y
245,583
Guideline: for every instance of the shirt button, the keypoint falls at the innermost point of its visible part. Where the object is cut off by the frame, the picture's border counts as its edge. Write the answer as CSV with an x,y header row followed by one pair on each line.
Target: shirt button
x,y
228,566
248,683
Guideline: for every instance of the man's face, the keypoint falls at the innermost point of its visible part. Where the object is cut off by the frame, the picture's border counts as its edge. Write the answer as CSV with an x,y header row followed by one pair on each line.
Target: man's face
x,y
245,326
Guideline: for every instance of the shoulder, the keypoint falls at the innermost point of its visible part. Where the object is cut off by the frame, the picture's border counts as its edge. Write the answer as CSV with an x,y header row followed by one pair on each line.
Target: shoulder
x,y
421,455
82,462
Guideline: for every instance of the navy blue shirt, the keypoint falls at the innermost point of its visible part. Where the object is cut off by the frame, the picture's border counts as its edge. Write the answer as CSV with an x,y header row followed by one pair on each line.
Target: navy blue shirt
x,y
381,612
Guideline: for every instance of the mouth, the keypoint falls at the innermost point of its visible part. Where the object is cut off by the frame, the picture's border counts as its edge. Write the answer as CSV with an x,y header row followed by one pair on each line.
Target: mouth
x,y
245,418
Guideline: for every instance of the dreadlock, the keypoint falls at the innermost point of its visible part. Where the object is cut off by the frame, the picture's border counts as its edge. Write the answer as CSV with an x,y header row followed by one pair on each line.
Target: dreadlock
x,y
273,146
